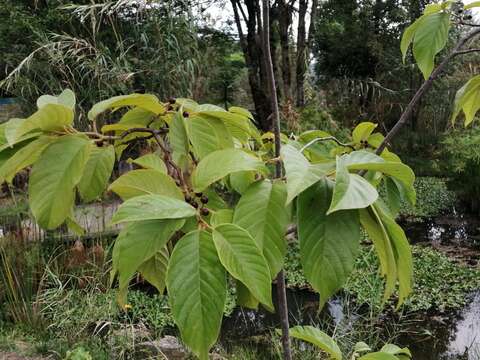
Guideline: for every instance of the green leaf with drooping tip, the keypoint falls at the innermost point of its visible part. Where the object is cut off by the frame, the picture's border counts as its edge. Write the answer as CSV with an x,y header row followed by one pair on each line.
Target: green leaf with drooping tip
x,y
54,177
378,356
430,38
221,163
197,288
329,244
97,172
152,207
144,182
207,135
467,100
243,259
318,338
145,101
262,211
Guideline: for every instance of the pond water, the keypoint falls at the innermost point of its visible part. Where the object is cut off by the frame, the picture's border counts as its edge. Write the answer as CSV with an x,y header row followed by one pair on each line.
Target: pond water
x,y
453,337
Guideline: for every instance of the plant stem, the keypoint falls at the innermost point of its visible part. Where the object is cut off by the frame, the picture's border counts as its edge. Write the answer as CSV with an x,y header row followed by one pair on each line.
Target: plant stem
x,y
424,88
281,291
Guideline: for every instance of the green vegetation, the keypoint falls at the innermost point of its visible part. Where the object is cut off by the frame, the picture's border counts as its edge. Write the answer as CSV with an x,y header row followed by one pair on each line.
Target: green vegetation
x,y
440,284
433,198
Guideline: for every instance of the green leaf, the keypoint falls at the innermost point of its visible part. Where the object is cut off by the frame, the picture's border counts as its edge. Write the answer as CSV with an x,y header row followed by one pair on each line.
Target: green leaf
x,y
361,347
145,101
138,117
241,111
50,117
178,137
154,270
378,356
207,135
150,161
23,158
74,226
66,98
152,207
263,213
430,38
395,350
244,297
468,100
362,131
221,163
401,251
299,172
351,191
137,243
363,160
408,36
144,182
223,216
243,259
54,177
240,181
197,287
238,125
97,172
318,338
329,244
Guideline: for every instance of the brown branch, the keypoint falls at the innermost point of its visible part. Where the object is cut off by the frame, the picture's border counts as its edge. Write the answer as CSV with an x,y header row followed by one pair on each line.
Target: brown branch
x,y
467,51
281,291
424,88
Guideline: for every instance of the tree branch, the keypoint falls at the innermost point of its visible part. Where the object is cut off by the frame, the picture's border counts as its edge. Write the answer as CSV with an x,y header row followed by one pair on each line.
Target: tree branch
x,y
424,88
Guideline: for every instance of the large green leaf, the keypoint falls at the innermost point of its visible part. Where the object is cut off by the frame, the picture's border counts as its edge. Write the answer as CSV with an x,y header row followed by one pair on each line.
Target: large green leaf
x,y
23,158
238,125
66,98
221,163
54,177
207,135
137,243
401,251
430,38
318,338
299,172
145,101
197,287
351,190
144,182
328,243
263,213
363,160
150,161
243,259
151,207
154,270
468,100
97,172
383,247
50,117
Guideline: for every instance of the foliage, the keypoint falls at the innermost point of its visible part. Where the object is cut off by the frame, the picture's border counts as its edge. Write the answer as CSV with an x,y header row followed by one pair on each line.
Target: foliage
x,y
178,210
462,161
433,197
440,284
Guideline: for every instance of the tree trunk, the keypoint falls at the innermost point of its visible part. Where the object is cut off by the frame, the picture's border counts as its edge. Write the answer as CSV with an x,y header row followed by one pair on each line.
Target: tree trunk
x,y
284,21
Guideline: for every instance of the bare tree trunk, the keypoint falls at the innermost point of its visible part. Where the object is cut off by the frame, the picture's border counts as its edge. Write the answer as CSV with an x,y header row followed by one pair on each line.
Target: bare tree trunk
x,y
252,50
281,291
303,47
284,21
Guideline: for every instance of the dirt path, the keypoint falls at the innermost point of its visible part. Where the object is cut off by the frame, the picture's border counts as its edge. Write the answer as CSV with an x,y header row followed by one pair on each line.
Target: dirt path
x,y
14,356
